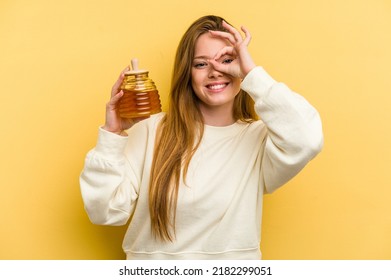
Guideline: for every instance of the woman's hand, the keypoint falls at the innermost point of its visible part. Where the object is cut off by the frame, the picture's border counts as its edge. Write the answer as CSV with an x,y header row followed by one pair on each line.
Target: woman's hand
x,y
242,62
114,123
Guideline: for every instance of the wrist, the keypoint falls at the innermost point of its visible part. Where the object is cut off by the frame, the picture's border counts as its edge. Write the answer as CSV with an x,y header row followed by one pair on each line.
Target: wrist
x,y
248,69
118,132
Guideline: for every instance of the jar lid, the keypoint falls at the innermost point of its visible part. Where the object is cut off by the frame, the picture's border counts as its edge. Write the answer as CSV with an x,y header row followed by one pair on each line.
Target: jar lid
x,y
135,70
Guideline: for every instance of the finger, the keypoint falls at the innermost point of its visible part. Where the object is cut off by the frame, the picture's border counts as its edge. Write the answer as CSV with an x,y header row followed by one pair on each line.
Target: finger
x,y
116,87
218,66
226,69
223,35
228,50
233,31
114,100
247,37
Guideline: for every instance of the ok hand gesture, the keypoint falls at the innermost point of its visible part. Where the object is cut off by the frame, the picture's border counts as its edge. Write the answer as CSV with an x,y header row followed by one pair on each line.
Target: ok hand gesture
x,y
242,63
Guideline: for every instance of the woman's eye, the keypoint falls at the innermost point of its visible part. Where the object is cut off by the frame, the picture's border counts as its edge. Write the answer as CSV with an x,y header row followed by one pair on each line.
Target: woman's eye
x,y
200,65
227,60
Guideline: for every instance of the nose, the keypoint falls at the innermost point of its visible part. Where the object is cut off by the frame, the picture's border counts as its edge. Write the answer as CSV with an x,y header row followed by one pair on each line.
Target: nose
x,y
213,73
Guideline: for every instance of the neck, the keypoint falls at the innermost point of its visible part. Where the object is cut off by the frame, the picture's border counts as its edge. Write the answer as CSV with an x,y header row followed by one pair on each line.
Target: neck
x,y
217,116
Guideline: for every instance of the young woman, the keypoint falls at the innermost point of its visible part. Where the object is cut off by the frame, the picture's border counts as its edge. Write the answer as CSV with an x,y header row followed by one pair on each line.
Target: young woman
x,y
192,180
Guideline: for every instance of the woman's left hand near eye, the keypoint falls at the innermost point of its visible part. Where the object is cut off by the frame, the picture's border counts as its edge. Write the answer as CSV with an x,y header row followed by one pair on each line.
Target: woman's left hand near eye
x,y
242,62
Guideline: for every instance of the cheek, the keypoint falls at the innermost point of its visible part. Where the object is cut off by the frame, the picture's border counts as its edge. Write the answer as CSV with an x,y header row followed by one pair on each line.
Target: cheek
x,y
236,85
195,88
196,80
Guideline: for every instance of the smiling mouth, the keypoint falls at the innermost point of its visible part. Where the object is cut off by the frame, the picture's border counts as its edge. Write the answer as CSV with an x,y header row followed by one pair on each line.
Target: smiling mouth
x,y
217,86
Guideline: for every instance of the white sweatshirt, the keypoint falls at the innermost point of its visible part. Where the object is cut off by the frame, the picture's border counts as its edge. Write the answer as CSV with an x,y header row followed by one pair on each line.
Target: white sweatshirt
x,y
219,208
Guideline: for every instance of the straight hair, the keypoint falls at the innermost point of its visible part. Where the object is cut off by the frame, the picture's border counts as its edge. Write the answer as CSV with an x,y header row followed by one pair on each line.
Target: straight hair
x,y
180,131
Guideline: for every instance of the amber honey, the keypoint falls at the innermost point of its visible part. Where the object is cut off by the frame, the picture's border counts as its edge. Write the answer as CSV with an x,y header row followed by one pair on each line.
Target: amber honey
x,y
141,98
135,104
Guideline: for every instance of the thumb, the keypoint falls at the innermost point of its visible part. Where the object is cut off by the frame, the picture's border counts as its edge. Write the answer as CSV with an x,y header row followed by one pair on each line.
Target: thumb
x,y
231,69
219,66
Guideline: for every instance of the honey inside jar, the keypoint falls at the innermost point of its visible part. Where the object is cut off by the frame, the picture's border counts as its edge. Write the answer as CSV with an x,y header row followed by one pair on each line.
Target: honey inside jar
x,y
141,97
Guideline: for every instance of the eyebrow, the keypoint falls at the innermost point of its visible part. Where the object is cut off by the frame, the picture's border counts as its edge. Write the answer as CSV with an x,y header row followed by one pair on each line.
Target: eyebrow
x,y
207,57
201,57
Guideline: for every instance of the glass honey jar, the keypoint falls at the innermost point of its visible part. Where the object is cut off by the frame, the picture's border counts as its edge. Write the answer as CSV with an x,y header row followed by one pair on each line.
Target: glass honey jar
x,y
141,98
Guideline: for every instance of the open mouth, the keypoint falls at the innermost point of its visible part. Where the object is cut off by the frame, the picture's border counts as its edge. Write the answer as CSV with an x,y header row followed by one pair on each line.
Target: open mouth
x,y
217,86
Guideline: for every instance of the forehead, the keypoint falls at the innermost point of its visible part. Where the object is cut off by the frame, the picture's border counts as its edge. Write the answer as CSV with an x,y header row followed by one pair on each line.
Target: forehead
x,y
208,46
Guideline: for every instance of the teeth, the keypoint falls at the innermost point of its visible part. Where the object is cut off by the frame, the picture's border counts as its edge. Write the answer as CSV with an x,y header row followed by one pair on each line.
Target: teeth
x,y
219,86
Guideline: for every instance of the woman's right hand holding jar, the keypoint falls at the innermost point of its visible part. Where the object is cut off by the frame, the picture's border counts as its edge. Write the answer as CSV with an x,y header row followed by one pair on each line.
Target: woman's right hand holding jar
x,y
114,123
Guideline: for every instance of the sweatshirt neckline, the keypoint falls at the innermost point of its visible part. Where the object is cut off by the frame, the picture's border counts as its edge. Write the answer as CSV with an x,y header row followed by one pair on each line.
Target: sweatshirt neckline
x,y
222,131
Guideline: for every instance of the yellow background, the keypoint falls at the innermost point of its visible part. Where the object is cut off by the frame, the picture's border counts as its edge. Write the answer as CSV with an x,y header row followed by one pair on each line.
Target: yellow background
x,y
59,59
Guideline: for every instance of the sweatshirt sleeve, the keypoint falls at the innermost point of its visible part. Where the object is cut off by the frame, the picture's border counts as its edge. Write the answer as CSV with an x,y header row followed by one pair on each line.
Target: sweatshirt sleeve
x,y
108,183
294,128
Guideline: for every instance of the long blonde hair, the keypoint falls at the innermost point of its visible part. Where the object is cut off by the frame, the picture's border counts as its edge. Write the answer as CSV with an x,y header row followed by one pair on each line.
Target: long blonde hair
x,y
181,130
